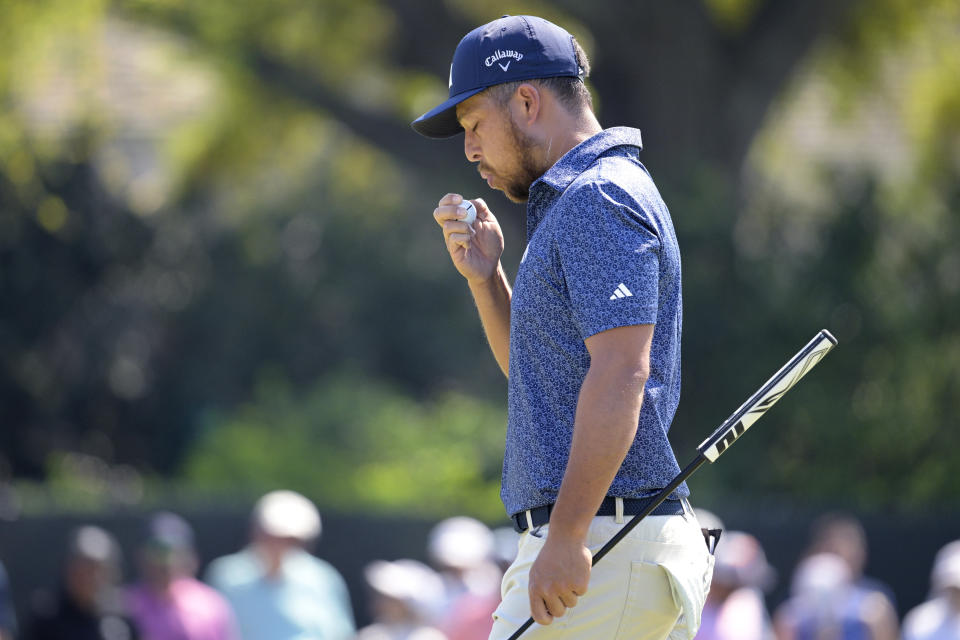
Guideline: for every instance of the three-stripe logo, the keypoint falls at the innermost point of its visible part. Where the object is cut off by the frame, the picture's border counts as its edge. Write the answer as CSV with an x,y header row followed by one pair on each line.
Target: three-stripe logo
x,y
621,292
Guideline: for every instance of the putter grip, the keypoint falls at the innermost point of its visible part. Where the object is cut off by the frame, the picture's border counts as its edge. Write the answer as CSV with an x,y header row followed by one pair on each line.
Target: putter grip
x,y
767,395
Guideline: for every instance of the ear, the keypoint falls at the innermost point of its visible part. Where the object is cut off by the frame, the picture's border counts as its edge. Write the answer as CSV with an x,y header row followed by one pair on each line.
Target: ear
x,y
528,101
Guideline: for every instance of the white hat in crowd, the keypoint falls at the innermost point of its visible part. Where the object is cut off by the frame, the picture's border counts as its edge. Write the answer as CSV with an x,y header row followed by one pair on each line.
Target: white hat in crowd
x,y
946,567
95,544
740,561
413,583
287,514
821,575
461,543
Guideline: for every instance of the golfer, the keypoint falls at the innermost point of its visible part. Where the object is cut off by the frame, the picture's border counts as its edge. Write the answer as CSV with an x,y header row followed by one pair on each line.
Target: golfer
x,y
589,337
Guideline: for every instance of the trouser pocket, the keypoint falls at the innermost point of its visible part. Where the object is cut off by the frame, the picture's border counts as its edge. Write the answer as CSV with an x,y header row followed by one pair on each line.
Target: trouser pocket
x,y
690,583
651,610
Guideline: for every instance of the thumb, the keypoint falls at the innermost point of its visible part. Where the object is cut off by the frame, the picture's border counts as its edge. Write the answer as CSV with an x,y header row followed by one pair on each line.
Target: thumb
x,y
483,211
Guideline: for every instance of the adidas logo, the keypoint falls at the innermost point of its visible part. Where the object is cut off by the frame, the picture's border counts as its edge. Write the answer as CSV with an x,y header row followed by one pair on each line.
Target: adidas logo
x,y
621,292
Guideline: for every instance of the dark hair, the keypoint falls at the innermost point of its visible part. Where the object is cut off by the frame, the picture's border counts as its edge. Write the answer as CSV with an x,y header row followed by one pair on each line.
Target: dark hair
x,y
571,91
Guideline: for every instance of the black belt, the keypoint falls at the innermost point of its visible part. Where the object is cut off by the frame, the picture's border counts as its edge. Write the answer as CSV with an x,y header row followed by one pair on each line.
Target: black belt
x,y
631,507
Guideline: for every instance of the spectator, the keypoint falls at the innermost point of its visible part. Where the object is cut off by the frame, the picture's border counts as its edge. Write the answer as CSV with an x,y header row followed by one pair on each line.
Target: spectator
x,y
939,617
506,542
404,593
735,607
169,603
279,591
88,604
8,621
842,535
463,551
826,604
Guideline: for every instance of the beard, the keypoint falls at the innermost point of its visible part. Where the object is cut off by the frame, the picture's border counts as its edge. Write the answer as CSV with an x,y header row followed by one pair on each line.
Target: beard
x,y
517,184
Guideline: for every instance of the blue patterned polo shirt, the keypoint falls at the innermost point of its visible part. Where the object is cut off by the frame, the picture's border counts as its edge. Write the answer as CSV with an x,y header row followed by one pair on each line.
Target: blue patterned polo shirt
x,y
601,253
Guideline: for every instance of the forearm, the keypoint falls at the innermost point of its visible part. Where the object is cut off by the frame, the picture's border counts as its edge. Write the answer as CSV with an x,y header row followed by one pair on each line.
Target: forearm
x,y
492,297
608,411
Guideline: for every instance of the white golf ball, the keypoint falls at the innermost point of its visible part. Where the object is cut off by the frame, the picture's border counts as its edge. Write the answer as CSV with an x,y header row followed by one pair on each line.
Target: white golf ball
x,y
471,211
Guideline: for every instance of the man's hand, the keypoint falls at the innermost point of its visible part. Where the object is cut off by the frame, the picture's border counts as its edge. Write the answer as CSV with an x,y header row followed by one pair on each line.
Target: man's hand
x,y
475,249
559,576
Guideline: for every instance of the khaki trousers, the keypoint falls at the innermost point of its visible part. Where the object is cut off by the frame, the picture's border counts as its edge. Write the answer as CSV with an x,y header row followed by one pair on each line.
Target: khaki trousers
x,y
651,586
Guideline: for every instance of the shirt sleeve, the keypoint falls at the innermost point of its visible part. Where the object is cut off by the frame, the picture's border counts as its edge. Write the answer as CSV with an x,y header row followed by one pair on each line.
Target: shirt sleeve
x,y
610,260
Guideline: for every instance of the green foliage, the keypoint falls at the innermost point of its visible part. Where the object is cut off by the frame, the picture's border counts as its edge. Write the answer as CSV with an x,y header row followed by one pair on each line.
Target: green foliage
x,y
732,16
194,193
850,219
352,443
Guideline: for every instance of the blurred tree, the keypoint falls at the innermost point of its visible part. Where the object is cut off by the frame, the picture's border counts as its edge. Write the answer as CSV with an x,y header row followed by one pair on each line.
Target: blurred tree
x,y
248,208
851,195
193,195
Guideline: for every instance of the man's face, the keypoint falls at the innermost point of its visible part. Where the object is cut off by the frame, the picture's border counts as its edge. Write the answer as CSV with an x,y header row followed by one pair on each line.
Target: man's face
x,y
161,565
506,155
87,579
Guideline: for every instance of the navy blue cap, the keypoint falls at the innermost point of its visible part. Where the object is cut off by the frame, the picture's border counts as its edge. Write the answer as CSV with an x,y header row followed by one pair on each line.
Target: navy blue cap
x,y
507,49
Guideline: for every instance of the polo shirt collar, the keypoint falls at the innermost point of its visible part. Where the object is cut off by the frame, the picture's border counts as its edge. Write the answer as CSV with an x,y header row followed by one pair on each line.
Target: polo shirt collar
x,y
578,159
548,187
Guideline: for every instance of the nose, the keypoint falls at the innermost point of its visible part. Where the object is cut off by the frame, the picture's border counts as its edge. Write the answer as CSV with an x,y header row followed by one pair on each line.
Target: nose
x,y
471,146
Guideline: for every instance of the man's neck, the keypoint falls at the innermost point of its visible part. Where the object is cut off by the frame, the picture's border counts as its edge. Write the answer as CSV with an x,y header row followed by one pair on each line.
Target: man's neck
x,y
568,135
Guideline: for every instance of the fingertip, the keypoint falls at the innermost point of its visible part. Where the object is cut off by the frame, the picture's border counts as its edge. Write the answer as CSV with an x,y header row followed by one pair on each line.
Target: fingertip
x,y
539,612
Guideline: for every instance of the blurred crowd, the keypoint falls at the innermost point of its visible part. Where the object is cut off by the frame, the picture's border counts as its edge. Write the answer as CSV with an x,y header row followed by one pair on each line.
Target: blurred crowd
x,y
275,588
830,597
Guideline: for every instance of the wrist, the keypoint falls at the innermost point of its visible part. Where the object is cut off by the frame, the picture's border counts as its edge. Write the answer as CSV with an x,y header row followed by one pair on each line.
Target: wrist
x,y
564,537
570,530
489,282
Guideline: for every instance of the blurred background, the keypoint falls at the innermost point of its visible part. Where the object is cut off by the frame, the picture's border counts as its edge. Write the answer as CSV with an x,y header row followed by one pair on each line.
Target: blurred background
x,y
220,274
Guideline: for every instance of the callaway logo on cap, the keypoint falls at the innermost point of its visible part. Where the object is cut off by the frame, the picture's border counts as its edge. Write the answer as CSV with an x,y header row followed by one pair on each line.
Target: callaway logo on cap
x,y
508,49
